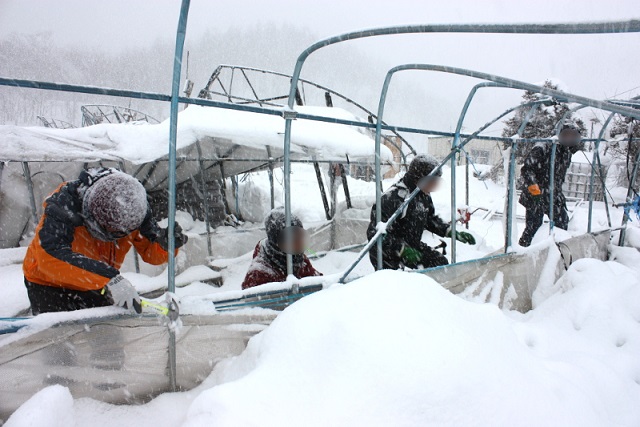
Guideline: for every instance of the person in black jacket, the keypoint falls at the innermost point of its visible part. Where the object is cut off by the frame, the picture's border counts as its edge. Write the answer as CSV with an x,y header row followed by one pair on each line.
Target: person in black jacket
x,y
402,246
535,182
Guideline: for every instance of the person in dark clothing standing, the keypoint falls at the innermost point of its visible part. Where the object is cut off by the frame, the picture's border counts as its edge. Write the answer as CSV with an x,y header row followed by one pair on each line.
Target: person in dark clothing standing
x,y
269,262
535,183
402,246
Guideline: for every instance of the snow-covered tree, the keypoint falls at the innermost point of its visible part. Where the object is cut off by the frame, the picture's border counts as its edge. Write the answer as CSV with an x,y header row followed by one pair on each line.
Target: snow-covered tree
x,y
543,122
618,147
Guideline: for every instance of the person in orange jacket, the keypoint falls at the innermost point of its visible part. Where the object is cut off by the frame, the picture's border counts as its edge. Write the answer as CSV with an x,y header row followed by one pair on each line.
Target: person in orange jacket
x,y
80,243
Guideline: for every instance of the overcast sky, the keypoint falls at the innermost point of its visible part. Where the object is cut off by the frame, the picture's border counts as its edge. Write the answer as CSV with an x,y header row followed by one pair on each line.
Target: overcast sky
x,y
597,66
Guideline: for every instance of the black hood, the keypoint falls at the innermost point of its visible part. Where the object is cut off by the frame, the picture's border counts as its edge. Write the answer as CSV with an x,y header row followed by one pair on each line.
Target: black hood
x,y
275,224
420,167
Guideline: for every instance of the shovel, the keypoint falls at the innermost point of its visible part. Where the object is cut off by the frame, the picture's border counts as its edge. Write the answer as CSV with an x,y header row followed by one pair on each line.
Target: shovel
x,y
170,310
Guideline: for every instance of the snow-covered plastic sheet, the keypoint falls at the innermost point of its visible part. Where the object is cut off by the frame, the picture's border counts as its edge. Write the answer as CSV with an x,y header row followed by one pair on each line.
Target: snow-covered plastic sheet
x,y
116,359
512,280
220,132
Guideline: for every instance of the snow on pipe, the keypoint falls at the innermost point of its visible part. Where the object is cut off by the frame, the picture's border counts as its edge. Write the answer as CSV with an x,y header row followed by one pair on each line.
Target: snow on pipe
x,y
566,28
121,93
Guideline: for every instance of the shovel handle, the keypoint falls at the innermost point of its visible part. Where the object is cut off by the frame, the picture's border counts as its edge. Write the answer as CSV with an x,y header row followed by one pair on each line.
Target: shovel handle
x,y
155,307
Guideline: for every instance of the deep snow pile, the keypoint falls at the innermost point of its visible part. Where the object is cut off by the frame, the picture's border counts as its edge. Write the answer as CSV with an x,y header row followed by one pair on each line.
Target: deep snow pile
x,y
396,349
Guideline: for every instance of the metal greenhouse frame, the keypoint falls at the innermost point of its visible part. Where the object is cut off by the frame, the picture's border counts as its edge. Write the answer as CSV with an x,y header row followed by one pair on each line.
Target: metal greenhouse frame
x,y
289,114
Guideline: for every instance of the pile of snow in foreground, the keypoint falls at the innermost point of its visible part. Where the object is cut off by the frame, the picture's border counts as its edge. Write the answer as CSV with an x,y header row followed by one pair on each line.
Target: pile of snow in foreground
x,y
396,349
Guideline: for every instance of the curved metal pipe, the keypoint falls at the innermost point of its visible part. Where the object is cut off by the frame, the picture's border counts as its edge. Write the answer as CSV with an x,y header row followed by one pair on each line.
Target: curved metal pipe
x,y
589,28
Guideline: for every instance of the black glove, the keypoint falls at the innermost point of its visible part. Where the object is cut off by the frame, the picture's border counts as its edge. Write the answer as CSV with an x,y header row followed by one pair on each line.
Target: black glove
x,y
163,238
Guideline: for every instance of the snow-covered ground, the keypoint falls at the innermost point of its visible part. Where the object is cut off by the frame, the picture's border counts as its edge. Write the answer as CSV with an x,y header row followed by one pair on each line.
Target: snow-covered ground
x,y
395,348
307,204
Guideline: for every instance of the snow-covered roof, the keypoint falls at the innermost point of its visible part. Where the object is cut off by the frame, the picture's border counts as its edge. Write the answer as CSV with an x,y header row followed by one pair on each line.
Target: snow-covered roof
x,y
218,130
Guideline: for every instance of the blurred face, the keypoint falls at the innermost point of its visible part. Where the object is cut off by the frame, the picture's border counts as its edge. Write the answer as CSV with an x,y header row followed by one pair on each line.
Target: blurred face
x,y
293,240
429,184
569,138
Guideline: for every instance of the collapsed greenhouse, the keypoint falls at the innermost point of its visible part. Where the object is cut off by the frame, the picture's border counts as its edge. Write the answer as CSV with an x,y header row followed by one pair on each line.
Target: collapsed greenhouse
x,y
222,135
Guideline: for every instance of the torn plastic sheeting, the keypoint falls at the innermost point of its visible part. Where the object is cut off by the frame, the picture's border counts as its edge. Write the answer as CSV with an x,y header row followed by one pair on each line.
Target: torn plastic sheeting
x,y
101,358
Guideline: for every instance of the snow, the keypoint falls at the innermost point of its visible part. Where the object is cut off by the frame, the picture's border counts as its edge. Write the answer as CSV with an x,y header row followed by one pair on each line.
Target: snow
x,y
395,348
52,406
142,142
307,204
554,81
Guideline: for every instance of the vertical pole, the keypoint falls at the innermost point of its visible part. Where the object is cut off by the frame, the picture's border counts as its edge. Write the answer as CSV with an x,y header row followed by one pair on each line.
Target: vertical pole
x,y
604,191
287,181
345,186
552,183
383,98
455,147
323,192
333,190
591,182
173,131
271,183
508,238
596,157
454,216
236,193
32,198
1,171
630,192
466,186
205,197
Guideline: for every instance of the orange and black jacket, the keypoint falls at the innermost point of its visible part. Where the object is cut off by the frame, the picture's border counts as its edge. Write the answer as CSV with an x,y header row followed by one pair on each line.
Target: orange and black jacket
x,y
64,254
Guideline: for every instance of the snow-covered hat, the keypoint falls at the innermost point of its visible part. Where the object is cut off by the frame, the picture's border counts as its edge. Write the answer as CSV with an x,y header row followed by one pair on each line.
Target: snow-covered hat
x,y
275,224
420,167
114,205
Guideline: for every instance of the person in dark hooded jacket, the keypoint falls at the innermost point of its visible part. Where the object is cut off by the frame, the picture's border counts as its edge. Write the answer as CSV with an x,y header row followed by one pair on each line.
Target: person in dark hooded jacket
x,y
535,182
402,246
269,262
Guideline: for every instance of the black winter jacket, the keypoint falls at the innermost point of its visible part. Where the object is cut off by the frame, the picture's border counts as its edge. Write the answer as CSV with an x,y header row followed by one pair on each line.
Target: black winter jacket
x,y
418,216
536,170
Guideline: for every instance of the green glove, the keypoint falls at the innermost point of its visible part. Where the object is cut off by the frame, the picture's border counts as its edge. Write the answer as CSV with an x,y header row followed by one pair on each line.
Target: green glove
x,y
411,256
464,237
